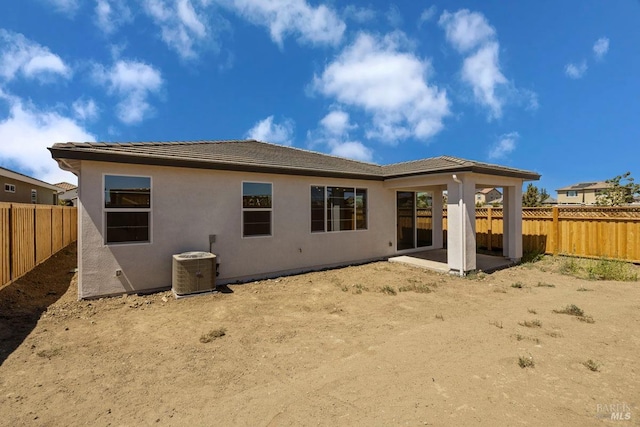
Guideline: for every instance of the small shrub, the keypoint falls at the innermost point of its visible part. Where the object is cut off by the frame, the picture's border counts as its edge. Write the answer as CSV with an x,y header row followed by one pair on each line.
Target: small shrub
x,y
531,323
532,311
554,334
530,257
545,285
358,289
49,353
212,335
570,267
586,319
526,362
419,288
517,285
572,310
592,365
605,269
386,289
345,288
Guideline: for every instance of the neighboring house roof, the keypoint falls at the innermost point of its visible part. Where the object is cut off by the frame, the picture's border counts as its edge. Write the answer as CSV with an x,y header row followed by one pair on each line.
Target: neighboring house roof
x,y
25,178
596,185
486,190
549,201
66,186
256,156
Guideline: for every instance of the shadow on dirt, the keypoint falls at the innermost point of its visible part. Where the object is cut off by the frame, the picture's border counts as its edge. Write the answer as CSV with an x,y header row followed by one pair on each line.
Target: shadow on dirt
x,y
23,301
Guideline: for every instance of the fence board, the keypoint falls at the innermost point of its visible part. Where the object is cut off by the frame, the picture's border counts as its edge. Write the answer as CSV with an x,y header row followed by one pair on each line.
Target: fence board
x,y
5,235
23,243
43,233
56,235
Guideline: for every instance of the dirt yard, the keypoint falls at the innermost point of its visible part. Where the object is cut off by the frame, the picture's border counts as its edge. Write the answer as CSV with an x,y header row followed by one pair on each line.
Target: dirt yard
x,y
378,344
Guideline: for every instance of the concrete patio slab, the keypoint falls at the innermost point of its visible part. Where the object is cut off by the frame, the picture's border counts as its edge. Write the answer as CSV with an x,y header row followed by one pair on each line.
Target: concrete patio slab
x,y
436,260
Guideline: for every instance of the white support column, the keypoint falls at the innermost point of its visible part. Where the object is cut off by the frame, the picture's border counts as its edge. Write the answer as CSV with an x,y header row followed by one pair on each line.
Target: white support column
x,y
436,219
461,224
506,208
512,214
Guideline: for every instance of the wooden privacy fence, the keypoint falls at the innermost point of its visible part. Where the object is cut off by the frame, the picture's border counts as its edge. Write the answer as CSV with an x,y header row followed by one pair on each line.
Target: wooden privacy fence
x,y
29,234
585,231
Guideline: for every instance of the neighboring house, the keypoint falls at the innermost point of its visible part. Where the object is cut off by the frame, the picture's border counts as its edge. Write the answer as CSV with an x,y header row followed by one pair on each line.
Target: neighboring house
x,y
583,193
69,193
487,196
20,188
549,201
266,210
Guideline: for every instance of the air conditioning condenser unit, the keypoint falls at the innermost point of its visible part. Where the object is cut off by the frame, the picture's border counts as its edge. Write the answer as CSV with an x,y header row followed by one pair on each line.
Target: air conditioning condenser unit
x,y
193,272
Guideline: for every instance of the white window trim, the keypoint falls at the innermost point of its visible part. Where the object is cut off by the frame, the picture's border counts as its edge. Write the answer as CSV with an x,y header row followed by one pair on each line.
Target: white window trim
x,y
324,212
9,188
243,210
105,210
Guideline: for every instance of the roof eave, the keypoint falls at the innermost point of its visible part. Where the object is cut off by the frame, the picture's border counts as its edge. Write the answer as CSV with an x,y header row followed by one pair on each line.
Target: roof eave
x,y
63,154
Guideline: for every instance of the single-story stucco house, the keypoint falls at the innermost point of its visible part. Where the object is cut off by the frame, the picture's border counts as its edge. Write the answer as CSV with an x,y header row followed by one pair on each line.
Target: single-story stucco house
x,y
266,210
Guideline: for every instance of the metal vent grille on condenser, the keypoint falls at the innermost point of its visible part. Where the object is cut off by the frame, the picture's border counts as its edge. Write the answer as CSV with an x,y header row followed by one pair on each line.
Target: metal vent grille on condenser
x,y
193,272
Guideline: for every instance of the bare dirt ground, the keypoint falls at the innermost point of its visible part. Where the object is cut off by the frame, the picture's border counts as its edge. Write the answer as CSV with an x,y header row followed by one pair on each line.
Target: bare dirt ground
x,y
327,348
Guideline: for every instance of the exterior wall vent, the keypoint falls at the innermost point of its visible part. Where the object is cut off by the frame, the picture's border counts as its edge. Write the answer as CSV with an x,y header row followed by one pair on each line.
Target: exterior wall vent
x,y
193,272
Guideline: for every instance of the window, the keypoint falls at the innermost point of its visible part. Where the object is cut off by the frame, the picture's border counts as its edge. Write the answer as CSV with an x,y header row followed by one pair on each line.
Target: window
x,y
10,188
572,193
256,209
339,208
127,207
34,196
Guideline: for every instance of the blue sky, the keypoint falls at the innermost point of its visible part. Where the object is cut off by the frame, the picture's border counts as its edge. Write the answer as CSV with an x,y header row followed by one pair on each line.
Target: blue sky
x,y
542,85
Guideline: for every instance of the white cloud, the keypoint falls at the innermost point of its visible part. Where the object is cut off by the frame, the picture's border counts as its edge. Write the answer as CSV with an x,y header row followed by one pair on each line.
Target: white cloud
x,y
111,14
576,71
268,131
26,132
333,133
353,150
504,146
359,14
336,123
466,30
19,55
68,7
314,25
394,16
183,26
132,82
85,109
601,47
472,36
390,84
427,15
482,72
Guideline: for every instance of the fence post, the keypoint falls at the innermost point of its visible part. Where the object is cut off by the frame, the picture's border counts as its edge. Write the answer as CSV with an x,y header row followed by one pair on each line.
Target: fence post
x,y
555,231
489,229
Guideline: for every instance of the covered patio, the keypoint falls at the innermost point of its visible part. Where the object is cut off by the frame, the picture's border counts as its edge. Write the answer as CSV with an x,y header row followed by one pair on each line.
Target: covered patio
x,y
453,185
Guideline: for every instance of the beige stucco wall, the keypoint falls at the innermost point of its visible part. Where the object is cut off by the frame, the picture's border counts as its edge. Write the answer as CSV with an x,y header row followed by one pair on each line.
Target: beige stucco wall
x,y
45,196
584,197
190,204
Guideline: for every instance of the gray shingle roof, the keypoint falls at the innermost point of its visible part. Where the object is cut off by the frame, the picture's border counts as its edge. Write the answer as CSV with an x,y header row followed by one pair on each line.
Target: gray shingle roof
x,y
256,156
597,185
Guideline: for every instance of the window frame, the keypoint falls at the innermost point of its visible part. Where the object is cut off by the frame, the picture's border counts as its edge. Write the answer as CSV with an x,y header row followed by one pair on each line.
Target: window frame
x,y
575,193
106,210
243,210
9,188
356,190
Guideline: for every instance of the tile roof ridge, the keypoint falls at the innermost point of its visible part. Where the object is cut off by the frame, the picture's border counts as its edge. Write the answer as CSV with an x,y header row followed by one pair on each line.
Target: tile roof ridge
x,y
412,161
